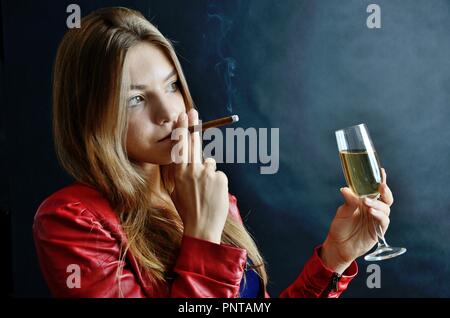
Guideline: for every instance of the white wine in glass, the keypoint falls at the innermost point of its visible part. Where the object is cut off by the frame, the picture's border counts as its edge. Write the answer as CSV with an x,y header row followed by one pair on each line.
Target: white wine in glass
x,y
362,172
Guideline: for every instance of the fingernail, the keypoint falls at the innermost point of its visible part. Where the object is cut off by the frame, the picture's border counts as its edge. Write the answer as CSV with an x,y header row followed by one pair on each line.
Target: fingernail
x,y
368,201
183,116
194,114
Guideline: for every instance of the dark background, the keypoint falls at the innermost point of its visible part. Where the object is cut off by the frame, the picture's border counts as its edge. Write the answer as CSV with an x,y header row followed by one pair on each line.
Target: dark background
x,y
307,67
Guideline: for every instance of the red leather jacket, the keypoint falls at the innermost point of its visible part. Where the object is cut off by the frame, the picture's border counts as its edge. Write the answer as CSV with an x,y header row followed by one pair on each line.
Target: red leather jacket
x,y
76,225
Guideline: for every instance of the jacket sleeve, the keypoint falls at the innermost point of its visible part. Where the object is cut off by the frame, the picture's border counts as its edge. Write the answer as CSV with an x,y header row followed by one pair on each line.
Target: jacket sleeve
x,y
80,258
316,280
206,269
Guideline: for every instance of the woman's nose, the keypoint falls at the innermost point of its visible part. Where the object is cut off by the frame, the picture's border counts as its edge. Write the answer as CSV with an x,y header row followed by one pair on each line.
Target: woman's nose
x,y
164,112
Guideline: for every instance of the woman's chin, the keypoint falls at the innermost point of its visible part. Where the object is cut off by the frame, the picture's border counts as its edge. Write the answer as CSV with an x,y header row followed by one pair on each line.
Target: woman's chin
x,y
164,159
161,160
162,154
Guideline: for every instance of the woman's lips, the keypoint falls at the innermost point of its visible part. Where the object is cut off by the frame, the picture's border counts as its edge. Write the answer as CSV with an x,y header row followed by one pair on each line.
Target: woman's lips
x,y
165,138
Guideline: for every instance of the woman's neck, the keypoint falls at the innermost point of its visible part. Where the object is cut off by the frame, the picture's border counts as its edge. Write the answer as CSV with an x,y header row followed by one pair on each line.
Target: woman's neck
x,y
153,175
156,183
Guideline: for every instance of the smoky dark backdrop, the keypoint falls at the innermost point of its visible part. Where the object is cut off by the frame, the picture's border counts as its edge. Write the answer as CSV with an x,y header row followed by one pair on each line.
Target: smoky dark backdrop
x,y
305,67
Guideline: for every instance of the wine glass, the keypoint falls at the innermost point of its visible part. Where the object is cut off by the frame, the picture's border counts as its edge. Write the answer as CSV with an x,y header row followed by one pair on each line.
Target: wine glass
x,y
362,172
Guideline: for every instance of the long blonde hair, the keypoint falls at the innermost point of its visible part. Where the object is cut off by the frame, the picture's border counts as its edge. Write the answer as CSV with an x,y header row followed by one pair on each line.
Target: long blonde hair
x,y
89,127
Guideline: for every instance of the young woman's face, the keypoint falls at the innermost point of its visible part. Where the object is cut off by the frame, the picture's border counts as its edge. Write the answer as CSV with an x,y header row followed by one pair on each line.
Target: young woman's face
x,y
154,104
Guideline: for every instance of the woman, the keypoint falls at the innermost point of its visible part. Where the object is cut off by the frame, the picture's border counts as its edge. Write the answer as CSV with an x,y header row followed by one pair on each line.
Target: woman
x,y
137,223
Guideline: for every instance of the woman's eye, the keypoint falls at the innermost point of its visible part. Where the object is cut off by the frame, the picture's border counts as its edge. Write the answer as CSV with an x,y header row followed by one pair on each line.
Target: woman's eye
x,y
173,86
135,101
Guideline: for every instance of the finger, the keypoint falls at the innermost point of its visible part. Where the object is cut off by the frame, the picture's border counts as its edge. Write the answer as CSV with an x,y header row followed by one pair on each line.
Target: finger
x,y
350,198
196,146
386,194
210,164
378,205
198,153
179,153
383,176
380,219
222,177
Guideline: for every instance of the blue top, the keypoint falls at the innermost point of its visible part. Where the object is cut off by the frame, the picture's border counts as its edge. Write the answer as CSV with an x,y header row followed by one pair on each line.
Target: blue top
x,y
250,284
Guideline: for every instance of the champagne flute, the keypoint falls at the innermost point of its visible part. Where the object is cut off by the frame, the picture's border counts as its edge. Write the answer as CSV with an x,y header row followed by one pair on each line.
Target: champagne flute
x,y
362,173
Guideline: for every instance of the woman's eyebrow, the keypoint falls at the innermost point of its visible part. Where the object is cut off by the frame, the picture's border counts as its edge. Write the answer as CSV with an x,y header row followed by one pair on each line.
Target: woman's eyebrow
x,y
142,86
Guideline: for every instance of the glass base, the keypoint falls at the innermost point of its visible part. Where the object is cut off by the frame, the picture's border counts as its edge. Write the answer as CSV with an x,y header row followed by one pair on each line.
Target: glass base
x,y
384,252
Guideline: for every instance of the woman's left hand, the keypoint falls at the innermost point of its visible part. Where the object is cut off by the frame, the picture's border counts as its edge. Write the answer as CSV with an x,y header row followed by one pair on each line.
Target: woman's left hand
x,y
352,232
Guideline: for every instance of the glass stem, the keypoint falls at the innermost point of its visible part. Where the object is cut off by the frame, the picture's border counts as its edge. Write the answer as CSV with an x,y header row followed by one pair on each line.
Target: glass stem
x,y
380,235
379,231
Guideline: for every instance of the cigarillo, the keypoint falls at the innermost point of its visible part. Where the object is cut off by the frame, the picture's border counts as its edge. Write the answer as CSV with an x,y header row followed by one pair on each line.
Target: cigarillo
x,y
214,123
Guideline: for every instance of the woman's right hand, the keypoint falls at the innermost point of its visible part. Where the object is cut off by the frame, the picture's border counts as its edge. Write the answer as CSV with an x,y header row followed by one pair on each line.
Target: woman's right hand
x,y
201,193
